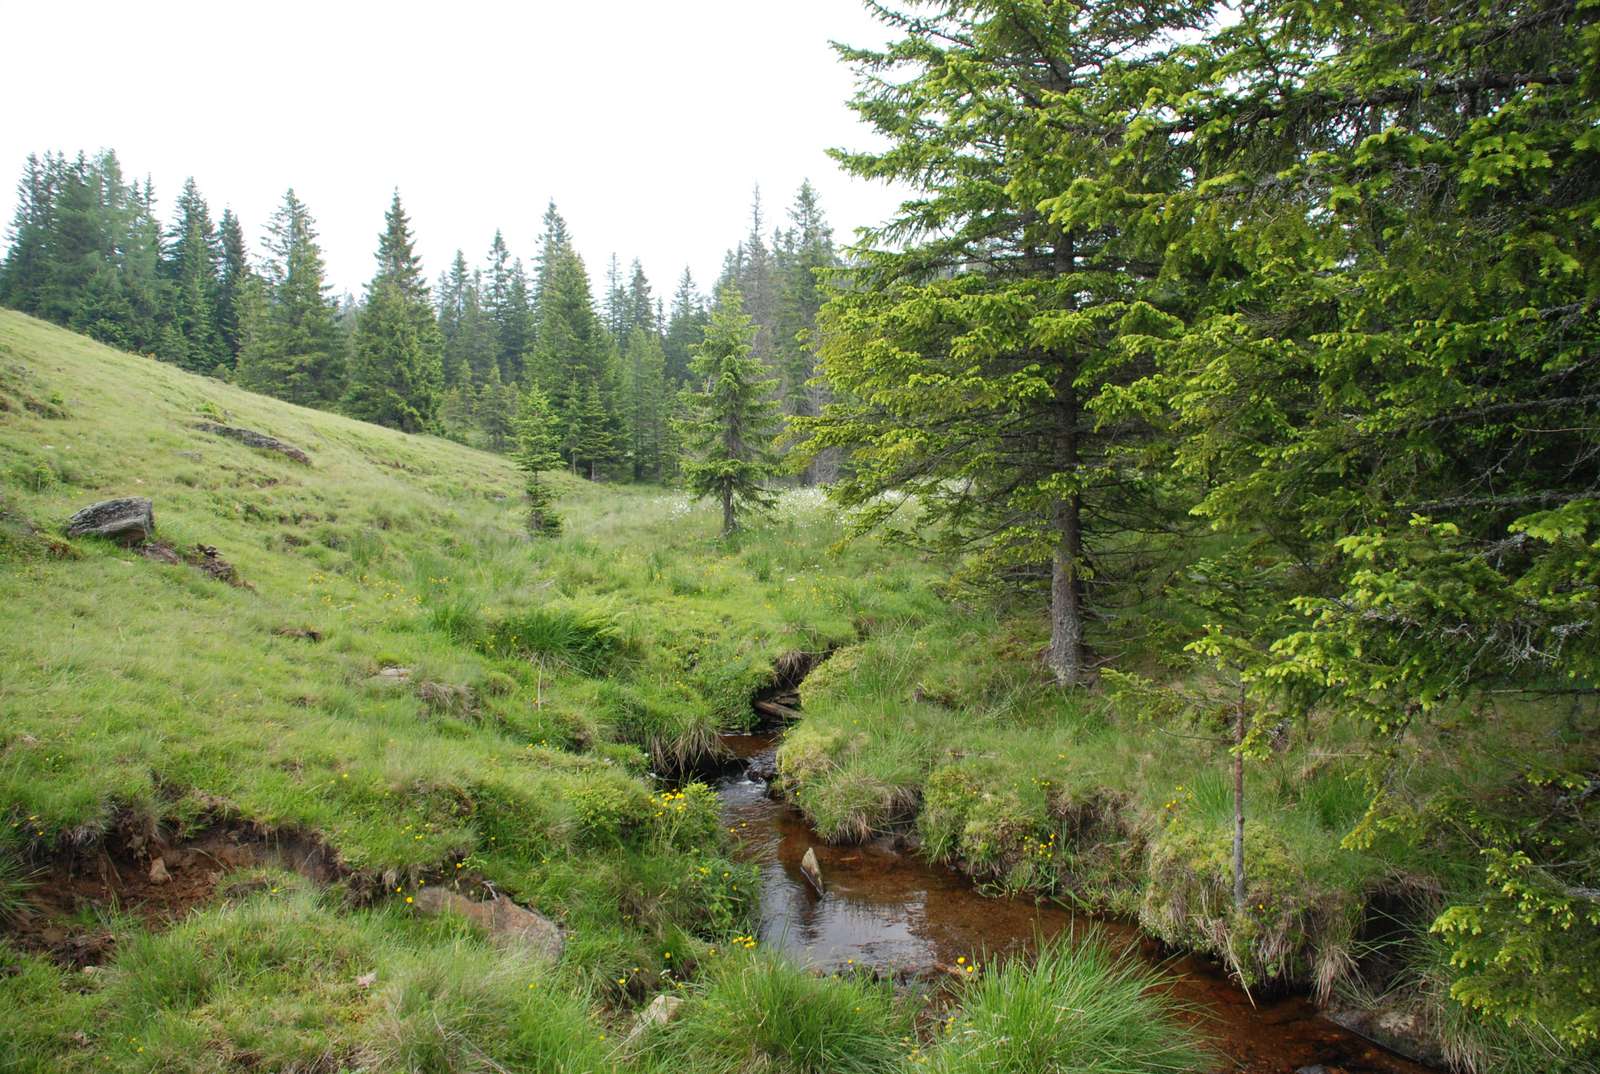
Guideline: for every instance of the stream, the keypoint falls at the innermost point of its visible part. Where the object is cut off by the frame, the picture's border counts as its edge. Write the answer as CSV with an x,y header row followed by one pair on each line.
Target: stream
x,y
894,912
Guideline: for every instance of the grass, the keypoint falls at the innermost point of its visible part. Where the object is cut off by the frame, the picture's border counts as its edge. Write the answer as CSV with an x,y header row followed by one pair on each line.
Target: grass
x,y
754,1012
412,682
1075,1009
418,685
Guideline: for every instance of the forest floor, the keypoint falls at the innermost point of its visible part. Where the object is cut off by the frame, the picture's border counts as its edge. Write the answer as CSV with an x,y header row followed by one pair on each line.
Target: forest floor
x,y
221,804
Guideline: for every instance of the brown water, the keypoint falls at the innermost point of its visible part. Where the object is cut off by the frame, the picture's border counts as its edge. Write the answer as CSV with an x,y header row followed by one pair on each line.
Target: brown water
x,y
893,911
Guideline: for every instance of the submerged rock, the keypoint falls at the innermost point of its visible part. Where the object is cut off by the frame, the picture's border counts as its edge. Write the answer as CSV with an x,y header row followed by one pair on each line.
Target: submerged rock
x,y
501,918
812,870
130,520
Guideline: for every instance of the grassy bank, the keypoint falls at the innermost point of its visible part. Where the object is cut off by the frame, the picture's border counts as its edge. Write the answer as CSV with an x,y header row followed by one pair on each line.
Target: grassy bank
x,y
401,690
951,732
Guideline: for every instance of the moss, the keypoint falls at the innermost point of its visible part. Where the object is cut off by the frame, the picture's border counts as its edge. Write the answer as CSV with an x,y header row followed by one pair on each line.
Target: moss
x,y
1287,925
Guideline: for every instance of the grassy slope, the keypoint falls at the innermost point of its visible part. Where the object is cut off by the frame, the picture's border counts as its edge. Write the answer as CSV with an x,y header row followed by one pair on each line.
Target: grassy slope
x,y
135,694
140,697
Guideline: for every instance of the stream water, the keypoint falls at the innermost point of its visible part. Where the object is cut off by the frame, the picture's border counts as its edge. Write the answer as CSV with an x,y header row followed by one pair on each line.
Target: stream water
x,y
893,911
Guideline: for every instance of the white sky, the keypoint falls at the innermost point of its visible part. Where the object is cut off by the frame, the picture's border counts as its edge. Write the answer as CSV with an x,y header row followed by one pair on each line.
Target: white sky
x,y
648,122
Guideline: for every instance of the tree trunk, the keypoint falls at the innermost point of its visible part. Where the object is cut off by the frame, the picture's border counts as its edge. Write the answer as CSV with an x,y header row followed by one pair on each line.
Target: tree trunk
x,y
728,521
1238,806
1066,596
1066,657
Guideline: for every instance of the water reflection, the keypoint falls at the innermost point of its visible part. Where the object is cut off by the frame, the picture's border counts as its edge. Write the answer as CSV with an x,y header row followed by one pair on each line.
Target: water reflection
x,y
894,912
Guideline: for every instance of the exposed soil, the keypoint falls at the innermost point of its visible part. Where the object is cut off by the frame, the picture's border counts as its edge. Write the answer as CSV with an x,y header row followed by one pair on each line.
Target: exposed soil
x,y
78,896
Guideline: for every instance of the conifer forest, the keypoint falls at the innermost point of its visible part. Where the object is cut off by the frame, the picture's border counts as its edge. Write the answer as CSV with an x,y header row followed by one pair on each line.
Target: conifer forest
x,y
1132,609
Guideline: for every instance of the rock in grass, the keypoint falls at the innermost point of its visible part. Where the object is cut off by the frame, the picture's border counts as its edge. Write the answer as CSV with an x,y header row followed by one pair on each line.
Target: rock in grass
x,y
662,1009
501,918
251,438
129,521
812,870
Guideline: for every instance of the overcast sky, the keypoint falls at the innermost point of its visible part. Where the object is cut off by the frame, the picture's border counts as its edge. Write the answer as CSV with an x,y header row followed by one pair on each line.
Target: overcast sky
x,y
648,122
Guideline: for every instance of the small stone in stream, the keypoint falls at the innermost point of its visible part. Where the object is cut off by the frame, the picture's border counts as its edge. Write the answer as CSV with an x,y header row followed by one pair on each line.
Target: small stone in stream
x,y
662,1010
812,870
251,438
158,871
129,521
501,918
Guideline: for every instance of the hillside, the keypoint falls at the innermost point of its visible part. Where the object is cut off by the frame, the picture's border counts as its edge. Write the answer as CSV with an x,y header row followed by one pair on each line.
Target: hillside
x,y
401,692
150,709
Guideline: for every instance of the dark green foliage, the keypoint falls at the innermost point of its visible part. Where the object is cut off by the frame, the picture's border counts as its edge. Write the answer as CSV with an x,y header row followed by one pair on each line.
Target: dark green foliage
x,y
983,364
728,435
686,327
292,347
231,285
193,268
396,368
573,361
24,274
537,437
644,403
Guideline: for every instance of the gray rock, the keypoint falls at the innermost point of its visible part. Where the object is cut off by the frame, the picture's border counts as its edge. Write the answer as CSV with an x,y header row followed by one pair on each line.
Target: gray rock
x,y
662,1009
251,438
129,521
391,676
502,919
158,872
1398,1028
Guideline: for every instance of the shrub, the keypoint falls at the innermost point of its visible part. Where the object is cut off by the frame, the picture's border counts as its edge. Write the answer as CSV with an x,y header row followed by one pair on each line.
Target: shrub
x,y
611,809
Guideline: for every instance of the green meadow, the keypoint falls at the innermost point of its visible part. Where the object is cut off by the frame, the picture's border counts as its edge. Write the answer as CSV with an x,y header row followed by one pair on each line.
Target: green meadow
x,y
403,678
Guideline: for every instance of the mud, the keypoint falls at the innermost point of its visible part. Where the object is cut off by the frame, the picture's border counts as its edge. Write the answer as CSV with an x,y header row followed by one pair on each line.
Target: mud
x,y
80,898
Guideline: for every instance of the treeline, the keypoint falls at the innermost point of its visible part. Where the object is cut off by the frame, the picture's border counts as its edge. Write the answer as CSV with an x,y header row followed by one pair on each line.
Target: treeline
x,y
87,250
1267,339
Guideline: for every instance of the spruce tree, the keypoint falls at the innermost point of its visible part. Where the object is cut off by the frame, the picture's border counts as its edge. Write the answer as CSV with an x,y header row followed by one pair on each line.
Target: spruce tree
x,y
451,299
644,402
536,433
235,272
572,362
296,351
978,348
805,257
25,272
755,278
193,267
515,326
729,431
686,327
396,370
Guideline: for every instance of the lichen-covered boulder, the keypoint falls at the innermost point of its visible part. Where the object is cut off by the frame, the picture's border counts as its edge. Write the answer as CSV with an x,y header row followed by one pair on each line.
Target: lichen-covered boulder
x,y
128,521
251,438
